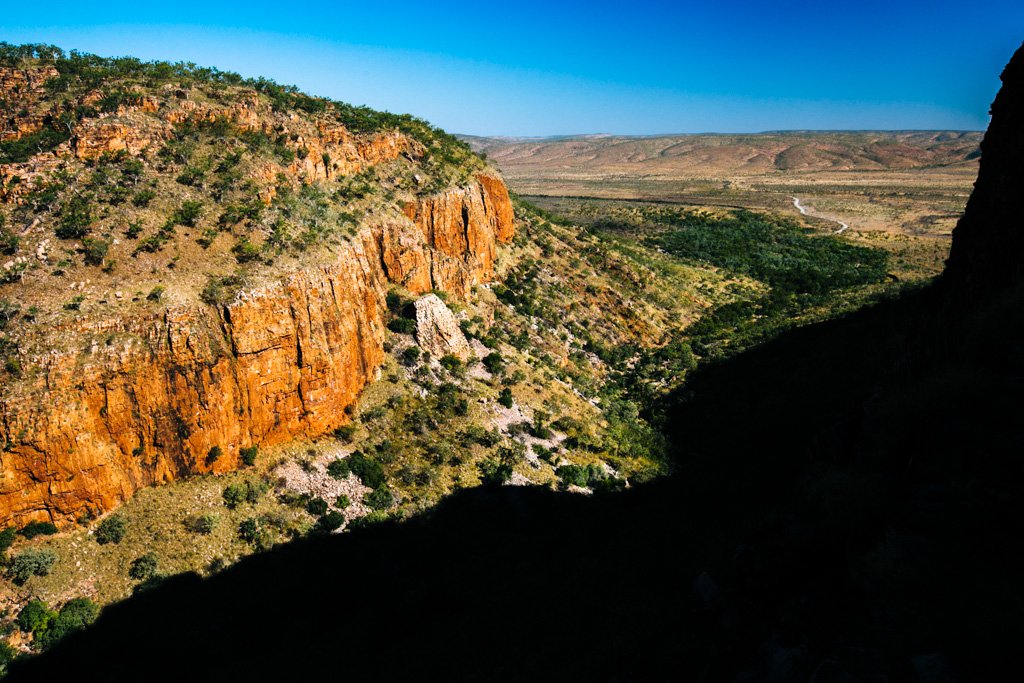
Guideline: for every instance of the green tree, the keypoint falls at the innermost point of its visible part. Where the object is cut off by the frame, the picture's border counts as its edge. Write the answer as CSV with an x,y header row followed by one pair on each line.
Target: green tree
x,y
7,537
143,567
380,498
75,615
201,524
317,507
75,218
213,455
331,521
31,562
33,529
248,455
111,530
338,469
34,616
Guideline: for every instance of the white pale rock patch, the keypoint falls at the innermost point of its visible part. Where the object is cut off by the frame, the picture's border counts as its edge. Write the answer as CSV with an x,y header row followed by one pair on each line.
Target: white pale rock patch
x,y
437,330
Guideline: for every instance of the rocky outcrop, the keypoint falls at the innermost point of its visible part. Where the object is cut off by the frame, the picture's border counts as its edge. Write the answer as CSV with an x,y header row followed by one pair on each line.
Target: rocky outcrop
x,y
465,226
95,138
437,330
989,238
148,398
21,87
143,122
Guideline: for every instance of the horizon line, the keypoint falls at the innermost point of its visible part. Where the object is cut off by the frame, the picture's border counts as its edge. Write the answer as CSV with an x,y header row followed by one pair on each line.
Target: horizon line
x,y
780,131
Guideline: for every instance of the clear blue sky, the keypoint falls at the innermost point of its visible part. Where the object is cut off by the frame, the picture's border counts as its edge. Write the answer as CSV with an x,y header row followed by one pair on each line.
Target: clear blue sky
x,y
539,68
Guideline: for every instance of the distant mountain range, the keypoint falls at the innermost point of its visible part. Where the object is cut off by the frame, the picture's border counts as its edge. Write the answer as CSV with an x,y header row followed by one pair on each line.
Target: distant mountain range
x,y
718,154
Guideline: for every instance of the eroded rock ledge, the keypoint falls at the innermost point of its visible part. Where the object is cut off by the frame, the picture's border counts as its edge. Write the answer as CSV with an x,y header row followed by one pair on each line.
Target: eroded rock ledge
x,y
276,363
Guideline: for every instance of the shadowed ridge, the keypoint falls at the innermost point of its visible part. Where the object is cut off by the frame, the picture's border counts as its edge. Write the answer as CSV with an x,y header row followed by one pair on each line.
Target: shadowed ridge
x,y
988,242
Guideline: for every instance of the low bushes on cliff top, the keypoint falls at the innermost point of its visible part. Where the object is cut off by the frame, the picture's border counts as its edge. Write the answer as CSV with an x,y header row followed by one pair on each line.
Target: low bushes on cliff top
x,y
84,72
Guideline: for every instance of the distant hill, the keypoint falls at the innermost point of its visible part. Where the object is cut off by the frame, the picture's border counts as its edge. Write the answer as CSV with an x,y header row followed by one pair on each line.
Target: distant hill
x,y
710,154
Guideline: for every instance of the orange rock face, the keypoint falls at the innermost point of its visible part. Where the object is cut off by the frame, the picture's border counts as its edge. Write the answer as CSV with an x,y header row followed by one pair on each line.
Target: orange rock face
x,y
150,397
464,227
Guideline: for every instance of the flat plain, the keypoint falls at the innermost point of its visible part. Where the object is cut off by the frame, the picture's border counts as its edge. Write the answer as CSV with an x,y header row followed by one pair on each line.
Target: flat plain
x,y
901,182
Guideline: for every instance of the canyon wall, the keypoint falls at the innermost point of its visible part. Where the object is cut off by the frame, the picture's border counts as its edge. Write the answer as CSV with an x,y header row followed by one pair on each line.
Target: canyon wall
x,y
146,399
989,238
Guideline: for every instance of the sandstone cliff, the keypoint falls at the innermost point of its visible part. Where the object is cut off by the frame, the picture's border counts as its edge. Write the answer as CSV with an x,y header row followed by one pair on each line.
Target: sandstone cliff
x,y
147,398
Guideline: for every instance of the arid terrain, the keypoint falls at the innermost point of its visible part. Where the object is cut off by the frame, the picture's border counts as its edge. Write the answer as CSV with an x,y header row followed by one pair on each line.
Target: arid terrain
x,y
915,183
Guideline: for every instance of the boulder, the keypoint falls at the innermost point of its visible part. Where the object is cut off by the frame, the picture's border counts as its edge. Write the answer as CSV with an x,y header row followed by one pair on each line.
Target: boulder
x,y
437,330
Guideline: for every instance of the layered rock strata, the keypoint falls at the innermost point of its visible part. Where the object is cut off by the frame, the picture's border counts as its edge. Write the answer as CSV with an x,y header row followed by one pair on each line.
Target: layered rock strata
x,y
144,400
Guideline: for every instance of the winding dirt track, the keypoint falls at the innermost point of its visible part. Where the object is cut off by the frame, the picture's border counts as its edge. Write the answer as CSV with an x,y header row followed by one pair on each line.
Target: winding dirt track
x,y
804,212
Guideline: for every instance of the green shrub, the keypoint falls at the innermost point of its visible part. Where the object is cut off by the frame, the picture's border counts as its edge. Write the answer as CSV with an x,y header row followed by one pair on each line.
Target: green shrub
x,y
331,521
494,472
213,455
7,655
142,198
13,366
450,401
539,429
317,507
75,615
592,476
395,302
187,214
201,524
342,502
219,290
9,242
191,176
477,434
248,455
505,397
95,250
345,432
410,355
369,471
514,453
143,567
7,538
453,364
248,491
255,533
33,529
246,251
234,495
494,362
29,563
35,616
338,469
156,294
402,325
111,530
76,218
27,146
775,250
380,498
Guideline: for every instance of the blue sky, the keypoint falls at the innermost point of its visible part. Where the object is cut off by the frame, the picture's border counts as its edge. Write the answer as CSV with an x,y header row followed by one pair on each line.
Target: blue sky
x,y
536,68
